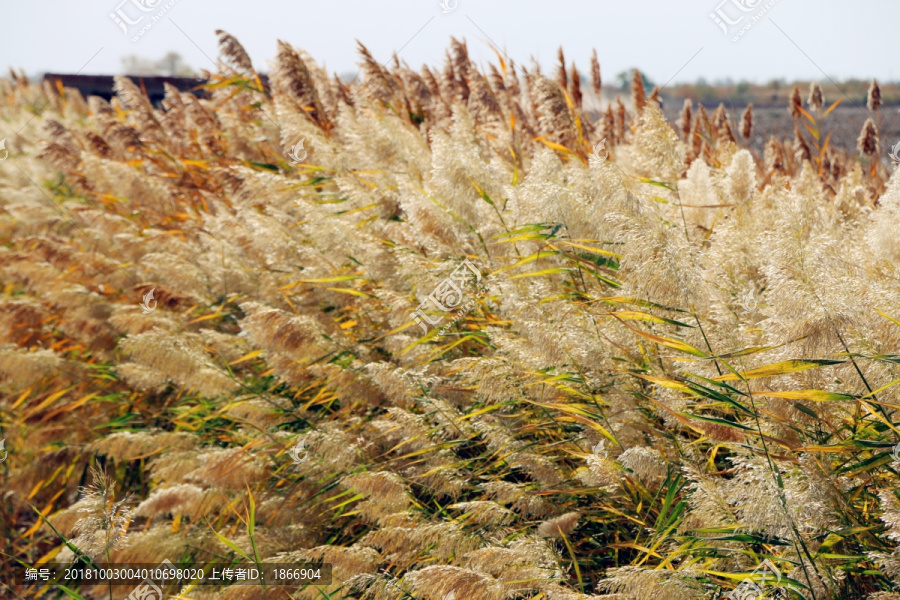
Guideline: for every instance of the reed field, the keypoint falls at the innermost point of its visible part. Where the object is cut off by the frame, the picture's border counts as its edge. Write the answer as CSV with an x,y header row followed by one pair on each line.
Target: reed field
x,y
452,331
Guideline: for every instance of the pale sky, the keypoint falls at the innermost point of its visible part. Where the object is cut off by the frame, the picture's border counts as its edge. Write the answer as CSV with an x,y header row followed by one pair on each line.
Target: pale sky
x,y
668,39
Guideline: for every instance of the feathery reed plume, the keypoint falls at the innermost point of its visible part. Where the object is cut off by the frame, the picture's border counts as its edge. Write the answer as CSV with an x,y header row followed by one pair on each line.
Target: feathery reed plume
x,y
430,80
747,122
802,150
496,79
596,80
609,125
559,527
647,463
646,584
205,126
795,108
826,163
147,125
233,53
562,77
722,125
343,92
291,80
104,526
774,158
867,143
621,120
515,88
705,126
654,95
638,93
873,98
554,116
837,167
449,583
815,101
697,137
718,119
377,81
461,67
685,121
575,86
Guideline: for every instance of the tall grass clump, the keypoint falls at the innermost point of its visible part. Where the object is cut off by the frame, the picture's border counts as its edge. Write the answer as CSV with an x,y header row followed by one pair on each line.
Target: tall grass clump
x,y
677,360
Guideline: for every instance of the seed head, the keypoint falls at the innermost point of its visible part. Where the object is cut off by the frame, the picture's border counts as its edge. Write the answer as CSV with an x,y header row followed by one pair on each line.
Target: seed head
x,y
575,86
796,104
638,93
867,143
561,75
747,122
874,99
596,80
685,120
815,100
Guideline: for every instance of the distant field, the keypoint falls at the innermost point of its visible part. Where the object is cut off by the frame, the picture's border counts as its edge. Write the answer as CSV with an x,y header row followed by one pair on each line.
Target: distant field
x,y
844,122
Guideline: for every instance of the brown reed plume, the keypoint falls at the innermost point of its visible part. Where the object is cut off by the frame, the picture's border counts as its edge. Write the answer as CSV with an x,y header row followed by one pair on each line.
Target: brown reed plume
x,y
801,147
684,120
233,52
795,108
722,124
638,93
815,100
575,87
868,143
562,77
747,122
873,97
596,80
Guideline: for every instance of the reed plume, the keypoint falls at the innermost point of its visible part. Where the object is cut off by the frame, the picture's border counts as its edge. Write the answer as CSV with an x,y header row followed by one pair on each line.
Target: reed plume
x,y
747,122
815,100
868,143
562,77
575,87
233,52
104,526
873,97
795,108
596,79
638,93
684,121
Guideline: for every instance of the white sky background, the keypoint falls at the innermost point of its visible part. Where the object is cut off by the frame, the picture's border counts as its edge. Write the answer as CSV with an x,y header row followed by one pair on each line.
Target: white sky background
x,y
842,38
